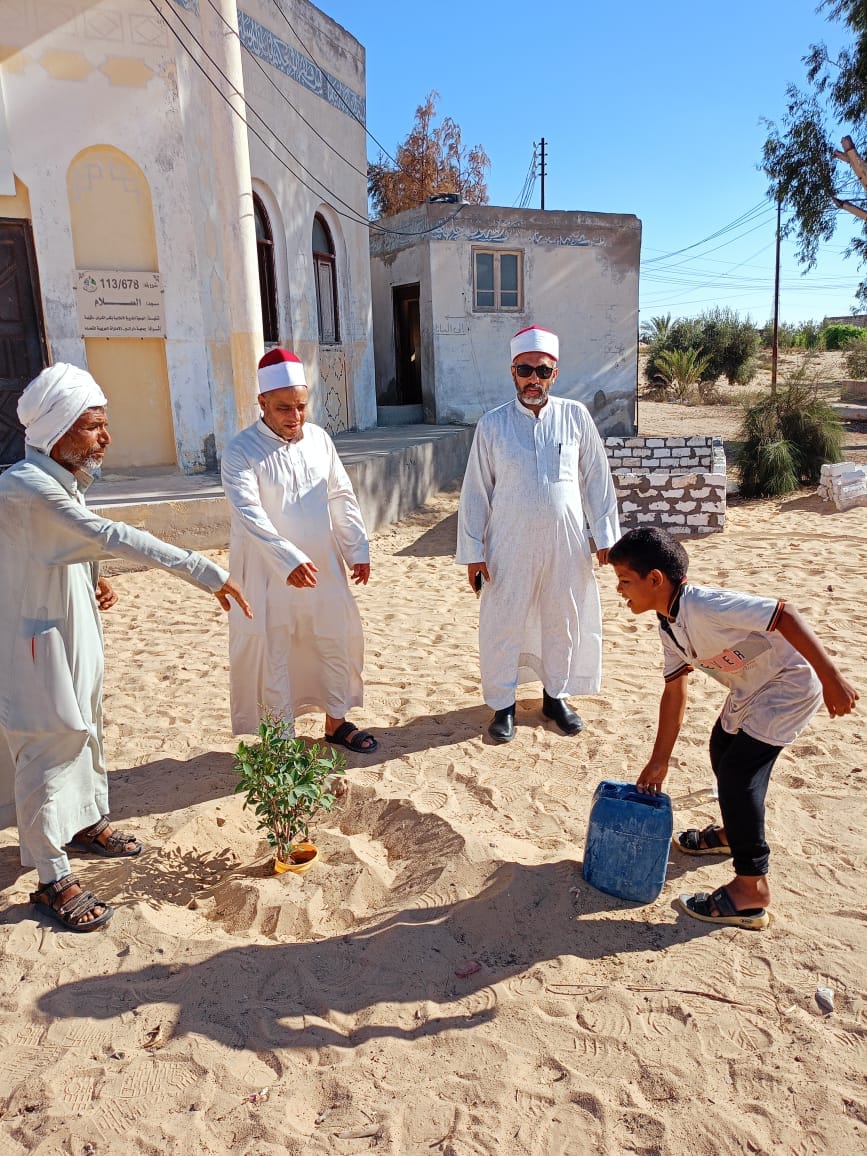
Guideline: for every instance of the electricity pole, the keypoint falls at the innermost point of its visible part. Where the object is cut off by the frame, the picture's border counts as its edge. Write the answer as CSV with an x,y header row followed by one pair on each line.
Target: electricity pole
x,y
542,168
774,340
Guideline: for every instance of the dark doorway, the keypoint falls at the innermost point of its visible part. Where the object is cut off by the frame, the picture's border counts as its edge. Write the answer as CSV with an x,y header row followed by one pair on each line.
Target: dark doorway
x,y
23,352
407,345
267,275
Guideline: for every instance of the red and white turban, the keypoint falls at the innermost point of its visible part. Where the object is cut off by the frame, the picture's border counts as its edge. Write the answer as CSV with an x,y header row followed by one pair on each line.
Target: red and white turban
x,y
533,339
54,401
280,369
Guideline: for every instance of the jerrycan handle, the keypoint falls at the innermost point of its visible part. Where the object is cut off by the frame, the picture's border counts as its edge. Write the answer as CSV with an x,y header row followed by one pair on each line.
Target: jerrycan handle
x,y
629,793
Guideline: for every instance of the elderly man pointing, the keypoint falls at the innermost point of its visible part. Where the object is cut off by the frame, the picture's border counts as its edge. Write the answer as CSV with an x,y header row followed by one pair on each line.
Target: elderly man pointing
x,y
537,474
53,780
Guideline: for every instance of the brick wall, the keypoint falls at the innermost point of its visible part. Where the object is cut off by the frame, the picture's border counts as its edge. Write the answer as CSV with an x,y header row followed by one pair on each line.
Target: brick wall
x,y
678,484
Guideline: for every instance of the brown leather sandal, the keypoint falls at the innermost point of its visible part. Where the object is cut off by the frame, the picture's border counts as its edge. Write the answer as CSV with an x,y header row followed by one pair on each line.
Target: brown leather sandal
x,y
87,842
72,912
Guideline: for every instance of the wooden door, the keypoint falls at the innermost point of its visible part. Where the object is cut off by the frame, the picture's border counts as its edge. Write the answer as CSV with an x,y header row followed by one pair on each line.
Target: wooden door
x,y
23,351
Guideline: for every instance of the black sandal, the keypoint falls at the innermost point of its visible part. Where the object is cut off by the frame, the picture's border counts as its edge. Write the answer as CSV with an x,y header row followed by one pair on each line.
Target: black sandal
x,y
86,842
706,842
71,913
356,743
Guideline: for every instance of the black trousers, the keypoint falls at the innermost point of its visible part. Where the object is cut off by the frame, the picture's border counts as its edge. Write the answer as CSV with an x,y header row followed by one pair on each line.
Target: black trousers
x,y
743,766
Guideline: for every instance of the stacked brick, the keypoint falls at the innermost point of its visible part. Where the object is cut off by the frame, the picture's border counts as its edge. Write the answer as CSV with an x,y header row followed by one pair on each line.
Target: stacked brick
x,y
676,483
844,484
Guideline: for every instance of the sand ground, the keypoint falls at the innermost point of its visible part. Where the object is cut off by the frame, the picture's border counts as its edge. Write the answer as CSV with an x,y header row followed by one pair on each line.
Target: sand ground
x,y
444,981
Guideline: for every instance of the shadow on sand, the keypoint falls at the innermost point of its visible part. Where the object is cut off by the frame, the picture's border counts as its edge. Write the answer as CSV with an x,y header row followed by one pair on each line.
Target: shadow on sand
x,y
249,996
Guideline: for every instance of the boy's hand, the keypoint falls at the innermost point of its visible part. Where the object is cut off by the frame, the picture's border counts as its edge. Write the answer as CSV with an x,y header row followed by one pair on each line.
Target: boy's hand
x,y
840,697
651,778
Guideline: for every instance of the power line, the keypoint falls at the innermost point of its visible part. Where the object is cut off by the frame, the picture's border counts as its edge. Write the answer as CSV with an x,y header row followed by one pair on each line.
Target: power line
x,y
353,214
523,198
284,97
334,89
741,220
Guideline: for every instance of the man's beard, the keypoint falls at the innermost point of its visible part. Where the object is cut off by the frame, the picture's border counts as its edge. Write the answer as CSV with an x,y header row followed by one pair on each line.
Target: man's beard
x,y
89,464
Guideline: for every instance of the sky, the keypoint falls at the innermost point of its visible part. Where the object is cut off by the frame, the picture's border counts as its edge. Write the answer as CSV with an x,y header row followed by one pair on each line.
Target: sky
x,y
651,107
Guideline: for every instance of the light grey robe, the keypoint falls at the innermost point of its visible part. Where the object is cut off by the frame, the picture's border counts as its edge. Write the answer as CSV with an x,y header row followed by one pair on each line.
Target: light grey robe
x,y
530,488
52,770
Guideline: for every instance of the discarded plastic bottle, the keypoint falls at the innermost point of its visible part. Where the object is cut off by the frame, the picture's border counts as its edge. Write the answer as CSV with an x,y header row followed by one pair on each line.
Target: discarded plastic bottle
x,y
628,842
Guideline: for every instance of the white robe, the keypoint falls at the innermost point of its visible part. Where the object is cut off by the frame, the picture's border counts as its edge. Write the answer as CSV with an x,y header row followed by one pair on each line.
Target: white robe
x,y
292,502
52,769
530,487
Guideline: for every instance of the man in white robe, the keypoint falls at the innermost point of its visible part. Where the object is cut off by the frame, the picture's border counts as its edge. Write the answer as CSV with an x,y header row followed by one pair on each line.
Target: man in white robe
x,y
296,526
537,474
53,780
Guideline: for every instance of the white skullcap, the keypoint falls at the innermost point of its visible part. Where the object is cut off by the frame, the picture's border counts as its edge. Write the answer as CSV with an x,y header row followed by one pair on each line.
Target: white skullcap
x,y
279,369
54,401
535,340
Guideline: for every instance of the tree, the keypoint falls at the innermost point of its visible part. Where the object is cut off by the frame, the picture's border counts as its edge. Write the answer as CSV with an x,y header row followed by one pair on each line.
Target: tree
x,y
728,344
680,370
432,160
656,329
813,178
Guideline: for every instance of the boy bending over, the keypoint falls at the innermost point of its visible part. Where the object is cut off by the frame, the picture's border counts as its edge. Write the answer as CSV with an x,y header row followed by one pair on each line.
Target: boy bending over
x,y
777,673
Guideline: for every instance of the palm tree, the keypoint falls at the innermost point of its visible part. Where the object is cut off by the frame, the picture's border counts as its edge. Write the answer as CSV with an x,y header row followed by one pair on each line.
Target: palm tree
x,y
656,329
679,370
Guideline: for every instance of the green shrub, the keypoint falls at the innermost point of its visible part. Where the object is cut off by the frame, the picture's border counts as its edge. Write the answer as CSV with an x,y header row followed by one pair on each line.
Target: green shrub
x,y
855,359
787,436
680,370
729,346
836,336
809,335
287,783
803,335
680,335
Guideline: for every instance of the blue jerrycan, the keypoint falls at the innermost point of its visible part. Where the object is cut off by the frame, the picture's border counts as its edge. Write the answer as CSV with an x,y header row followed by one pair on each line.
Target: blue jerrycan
x,y
628,841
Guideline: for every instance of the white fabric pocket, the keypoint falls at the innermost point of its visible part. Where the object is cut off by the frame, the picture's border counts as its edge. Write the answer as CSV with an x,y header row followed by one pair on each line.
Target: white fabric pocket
x,y
567,462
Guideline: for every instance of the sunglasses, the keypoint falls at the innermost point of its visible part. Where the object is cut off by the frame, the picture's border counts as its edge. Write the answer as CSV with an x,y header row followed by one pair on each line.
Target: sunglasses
x,y
543,372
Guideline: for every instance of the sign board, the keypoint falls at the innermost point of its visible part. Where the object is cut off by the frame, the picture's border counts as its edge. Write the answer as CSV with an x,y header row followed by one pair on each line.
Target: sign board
x,y
119,303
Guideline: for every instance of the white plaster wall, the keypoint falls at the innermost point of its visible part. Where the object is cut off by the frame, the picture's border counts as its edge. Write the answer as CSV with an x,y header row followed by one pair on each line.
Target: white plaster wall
x,y
570,290
50,122
407,267
329,178
165,127
580,280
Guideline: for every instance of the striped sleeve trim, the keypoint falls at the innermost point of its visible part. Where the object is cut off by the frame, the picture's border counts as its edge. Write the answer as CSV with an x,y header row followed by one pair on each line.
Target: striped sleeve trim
x,y
679,673
775,617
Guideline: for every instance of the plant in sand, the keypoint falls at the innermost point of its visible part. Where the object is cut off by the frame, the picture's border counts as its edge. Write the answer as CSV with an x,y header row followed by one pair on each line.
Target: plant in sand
x,y
855,359
680,371
787,436
287,782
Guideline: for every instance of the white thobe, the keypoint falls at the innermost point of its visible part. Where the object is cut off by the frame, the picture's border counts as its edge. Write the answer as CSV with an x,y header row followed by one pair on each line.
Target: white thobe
x,y
531,486
52,769
291,503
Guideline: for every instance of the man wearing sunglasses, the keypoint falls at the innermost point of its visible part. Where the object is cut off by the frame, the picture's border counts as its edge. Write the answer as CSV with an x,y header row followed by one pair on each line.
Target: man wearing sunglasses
x,y
536,479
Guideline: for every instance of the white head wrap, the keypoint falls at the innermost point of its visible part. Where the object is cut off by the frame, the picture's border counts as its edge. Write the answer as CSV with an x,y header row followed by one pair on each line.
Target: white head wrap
x,y
54,401
535,340
279,369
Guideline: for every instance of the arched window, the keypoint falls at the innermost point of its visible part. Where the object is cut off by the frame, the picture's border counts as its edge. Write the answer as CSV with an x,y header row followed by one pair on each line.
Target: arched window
x,y
324,269
267,278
